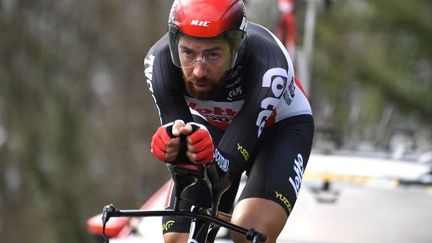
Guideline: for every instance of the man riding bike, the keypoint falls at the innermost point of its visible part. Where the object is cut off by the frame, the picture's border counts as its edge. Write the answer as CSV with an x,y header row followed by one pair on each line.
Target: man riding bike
x,y
226,94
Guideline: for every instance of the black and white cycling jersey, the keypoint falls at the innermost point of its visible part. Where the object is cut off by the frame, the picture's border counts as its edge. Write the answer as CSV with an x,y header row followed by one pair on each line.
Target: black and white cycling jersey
x,y
260,90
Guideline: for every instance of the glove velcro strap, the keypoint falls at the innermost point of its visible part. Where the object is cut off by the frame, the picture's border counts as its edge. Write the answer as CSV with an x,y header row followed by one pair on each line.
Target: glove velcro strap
x,y
169,126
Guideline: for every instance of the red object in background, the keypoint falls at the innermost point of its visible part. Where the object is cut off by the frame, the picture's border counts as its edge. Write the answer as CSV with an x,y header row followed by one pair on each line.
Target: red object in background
x,y
120,227
287,26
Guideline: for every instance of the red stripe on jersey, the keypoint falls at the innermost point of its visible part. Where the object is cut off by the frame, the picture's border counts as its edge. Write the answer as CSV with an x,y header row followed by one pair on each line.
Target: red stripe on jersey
x,y
271,120
221,125
298,83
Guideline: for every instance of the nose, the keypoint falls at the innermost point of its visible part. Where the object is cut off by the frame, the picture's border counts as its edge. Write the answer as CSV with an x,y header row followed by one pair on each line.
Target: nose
x,y
200,69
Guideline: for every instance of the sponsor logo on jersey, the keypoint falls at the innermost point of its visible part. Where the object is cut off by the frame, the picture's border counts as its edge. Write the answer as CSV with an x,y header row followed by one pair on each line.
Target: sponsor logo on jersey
x,y
299,169
276,80
168,225
215,110
148,72
221,161
235,76
289,93
237,91
284,200
220,112
234,85
243,151
148,69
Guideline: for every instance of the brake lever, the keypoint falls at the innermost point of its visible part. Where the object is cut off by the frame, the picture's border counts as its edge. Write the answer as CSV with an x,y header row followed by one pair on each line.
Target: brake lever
x,y
107,212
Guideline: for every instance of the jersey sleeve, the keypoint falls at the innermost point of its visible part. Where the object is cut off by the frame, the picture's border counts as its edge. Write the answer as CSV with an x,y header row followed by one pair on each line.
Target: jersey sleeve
x,y
165,83
267,73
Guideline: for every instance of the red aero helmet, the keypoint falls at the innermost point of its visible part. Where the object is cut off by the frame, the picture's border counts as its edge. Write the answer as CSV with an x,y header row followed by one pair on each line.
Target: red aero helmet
x,y
207,19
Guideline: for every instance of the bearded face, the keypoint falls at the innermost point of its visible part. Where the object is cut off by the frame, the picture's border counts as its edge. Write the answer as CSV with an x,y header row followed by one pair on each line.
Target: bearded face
x,y
203,65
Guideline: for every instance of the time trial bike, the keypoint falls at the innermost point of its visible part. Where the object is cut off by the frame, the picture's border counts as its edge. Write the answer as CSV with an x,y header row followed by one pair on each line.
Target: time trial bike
x,y
205,217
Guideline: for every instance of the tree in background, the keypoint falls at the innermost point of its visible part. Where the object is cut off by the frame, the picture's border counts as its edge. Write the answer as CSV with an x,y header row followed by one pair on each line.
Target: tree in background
x,y
75,116
373,69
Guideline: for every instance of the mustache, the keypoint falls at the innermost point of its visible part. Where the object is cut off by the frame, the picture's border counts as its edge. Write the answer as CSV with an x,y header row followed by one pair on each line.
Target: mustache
x,y
199,80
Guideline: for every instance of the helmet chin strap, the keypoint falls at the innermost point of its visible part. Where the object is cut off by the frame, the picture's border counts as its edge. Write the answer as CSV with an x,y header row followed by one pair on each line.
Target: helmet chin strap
x,y
237,55
234,60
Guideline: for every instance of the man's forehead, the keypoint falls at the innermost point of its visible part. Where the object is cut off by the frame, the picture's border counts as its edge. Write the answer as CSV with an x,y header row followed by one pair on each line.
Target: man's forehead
x,y
202,43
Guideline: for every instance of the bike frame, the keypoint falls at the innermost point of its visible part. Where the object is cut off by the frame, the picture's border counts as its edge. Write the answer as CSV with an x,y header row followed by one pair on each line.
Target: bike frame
x,y
183,176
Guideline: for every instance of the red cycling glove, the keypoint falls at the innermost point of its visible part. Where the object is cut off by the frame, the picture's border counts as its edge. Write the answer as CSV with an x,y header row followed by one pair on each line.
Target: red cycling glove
x,y
200,143
200,148
159,141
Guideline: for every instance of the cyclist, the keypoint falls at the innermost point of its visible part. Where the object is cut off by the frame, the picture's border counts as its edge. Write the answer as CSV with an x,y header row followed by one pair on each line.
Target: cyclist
x,y
226,94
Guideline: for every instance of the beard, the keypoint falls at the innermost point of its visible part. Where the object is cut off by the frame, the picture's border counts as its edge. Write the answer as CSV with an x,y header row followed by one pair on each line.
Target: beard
x,y
213,88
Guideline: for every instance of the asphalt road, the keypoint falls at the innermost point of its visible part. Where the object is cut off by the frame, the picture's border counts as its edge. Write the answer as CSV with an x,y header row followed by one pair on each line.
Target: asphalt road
x,y
377,212
364,202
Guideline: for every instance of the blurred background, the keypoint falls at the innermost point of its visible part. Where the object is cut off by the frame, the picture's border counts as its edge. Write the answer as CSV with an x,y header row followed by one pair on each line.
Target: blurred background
x,y
76,116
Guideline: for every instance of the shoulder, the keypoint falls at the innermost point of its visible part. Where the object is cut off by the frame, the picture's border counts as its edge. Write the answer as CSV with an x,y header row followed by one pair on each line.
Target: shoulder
x,y
161,47
261,36
256,31
158,66
159,57
263,49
